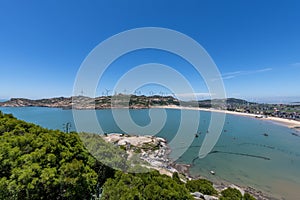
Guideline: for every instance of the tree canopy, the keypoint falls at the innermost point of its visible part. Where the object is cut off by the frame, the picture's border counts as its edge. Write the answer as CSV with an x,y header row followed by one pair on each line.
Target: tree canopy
x,y
37,163
144,186
235,194
201,185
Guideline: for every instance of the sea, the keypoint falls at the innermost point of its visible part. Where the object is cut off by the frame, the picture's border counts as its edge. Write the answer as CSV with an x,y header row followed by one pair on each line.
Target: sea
x,y
248,151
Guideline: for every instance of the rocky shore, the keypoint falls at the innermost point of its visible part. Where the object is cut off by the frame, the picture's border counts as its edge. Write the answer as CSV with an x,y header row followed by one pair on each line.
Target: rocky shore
x,y
155,151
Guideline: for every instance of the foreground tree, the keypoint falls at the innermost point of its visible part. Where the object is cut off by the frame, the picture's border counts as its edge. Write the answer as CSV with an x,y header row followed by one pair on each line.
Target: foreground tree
x,y
38,163
231,194
201,185
146,186
235,194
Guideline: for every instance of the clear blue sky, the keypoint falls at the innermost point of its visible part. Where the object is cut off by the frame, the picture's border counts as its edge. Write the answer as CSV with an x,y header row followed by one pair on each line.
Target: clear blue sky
x,y
255,43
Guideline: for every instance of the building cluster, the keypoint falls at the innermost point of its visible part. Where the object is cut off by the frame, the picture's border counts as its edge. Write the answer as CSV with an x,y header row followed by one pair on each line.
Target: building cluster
x,y
285,111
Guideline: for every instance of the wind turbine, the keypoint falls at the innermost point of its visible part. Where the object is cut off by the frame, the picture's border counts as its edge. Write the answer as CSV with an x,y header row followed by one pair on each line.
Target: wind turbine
x,y
107,91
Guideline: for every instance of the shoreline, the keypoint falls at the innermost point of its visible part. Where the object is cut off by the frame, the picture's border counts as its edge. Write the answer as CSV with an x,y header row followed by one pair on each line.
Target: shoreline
x,y
292,124
158,159
280,121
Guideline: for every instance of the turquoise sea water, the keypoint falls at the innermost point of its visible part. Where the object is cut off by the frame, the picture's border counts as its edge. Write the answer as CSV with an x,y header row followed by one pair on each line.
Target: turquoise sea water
x,y
242,155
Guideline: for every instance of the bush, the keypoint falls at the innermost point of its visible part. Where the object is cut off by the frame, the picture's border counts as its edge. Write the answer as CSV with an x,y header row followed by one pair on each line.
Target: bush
x,y
201,185
248,196
147,186
176,178
231,194
38,163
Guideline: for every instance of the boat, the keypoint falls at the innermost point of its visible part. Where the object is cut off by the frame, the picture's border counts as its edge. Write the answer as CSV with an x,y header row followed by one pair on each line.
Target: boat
x,y
212,172
265,134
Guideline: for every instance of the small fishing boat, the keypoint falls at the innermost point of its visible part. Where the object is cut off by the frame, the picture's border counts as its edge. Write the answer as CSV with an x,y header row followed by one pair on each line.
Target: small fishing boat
x,y
265,134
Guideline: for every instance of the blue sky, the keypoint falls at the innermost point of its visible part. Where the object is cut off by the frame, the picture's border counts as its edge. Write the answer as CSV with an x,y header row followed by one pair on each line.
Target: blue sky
x,y
254,43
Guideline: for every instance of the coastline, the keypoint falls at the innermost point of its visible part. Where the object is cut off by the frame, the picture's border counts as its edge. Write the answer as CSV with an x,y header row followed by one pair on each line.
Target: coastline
x,y
158,159
292,124
280,121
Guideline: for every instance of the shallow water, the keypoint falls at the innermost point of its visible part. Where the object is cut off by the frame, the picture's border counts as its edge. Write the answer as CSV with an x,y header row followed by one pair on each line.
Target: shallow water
x,y
242,155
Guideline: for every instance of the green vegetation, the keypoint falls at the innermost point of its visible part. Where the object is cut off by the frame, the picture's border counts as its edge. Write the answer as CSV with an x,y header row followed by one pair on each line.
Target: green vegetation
x,y
235,194
150,146
201,185
38,163
110,155
231,194
176,178
146,186
248,196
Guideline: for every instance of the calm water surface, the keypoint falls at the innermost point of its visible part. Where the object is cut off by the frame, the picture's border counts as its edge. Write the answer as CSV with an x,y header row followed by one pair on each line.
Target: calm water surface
x,y
242,155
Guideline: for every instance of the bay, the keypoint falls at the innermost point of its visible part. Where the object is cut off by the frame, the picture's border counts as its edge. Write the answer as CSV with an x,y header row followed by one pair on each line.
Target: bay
x,y
243,155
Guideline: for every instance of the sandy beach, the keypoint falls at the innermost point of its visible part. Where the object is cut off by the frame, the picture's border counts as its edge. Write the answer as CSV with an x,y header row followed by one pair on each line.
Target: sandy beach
x,y
280,121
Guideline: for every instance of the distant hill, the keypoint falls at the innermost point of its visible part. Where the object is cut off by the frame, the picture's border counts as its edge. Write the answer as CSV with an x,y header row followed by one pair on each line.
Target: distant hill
x,y
120,100
216,103
82,102
23,102
228,101
295,103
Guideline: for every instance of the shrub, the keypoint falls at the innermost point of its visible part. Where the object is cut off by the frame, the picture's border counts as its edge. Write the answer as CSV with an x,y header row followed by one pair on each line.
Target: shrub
x,y
201,185
248,196
231,194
